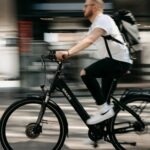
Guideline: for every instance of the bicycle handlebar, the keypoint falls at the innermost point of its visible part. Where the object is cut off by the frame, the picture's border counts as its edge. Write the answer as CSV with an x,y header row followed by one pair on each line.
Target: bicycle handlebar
x,y
51,56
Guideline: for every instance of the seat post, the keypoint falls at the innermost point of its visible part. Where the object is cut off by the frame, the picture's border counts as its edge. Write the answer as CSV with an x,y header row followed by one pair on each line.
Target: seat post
x,y
113,84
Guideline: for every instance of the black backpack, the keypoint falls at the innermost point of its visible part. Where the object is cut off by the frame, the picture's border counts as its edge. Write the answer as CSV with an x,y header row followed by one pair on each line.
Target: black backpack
x,y
127,25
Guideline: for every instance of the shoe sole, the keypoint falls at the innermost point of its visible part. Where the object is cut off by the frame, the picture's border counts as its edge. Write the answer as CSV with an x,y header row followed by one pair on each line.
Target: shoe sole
x,y
101,120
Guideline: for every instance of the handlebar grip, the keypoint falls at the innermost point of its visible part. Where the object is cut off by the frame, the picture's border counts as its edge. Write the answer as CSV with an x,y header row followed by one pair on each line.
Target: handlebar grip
x,y
51,56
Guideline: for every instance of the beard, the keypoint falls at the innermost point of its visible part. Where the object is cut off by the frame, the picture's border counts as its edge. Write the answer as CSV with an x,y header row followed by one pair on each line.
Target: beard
x,y
88,14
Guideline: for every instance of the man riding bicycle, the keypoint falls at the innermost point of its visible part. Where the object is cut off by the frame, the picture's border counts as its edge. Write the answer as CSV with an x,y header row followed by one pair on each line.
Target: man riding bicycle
x,y
105,67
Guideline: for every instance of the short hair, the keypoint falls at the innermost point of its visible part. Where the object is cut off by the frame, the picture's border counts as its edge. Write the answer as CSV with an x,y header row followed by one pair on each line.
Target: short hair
x,y
100,2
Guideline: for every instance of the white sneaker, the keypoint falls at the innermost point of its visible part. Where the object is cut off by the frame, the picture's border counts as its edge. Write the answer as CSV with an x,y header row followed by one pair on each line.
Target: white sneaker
x,y
99,117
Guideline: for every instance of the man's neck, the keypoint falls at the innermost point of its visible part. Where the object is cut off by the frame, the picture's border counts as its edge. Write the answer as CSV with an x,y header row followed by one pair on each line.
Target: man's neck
x,y
92,18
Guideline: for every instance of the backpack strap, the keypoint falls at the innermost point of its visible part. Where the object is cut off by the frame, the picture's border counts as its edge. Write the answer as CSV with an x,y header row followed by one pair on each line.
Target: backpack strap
x,y
107,47
109,37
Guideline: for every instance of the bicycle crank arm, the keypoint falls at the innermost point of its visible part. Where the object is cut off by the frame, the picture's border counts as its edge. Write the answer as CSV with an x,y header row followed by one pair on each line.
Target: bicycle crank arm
x,y
129,143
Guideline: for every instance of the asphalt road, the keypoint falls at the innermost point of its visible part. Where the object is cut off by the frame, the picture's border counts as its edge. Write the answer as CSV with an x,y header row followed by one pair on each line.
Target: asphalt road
x,y
78,138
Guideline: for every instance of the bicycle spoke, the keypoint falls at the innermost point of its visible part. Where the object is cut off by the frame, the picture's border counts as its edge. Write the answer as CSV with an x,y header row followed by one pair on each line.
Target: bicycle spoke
x,y
20,129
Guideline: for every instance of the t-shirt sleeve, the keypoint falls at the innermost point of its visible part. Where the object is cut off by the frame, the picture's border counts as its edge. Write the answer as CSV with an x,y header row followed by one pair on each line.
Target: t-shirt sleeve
x,y
103,23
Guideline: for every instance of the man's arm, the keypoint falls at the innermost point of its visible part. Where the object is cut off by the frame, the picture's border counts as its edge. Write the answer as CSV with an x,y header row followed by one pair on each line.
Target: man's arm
x,y
86,42
71,37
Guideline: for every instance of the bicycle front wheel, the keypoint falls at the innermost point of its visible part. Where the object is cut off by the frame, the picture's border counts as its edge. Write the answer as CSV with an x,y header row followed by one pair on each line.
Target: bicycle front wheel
x,y
19,120
125,131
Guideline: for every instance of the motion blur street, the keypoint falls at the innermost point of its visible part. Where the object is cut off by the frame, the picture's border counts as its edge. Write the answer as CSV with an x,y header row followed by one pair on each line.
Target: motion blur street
x,y
78,132
78,137
32,28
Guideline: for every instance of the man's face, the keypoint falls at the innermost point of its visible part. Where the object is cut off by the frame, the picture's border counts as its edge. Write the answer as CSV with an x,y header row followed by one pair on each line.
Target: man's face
x,y
88,8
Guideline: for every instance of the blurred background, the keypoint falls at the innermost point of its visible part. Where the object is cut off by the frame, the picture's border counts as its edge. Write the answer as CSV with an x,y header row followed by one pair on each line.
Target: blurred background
x,y
30,28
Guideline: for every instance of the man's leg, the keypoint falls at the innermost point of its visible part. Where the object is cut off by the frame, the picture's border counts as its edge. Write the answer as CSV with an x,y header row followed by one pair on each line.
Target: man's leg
x,y
105,111
106,69
89,76
93,86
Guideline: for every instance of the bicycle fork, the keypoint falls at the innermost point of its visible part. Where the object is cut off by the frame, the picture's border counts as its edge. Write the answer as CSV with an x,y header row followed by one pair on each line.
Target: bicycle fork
x,y
37,126
34,129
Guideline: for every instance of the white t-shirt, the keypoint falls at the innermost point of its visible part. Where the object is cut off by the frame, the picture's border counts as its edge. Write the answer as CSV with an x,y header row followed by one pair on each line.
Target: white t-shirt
x,y
118,51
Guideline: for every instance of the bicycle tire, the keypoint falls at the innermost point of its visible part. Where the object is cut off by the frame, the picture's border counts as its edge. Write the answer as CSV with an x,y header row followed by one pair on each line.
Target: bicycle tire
x,y
14,133
131,140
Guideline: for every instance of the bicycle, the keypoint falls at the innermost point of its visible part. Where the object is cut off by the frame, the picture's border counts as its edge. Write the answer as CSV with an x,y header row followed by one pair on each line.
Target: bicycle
x,y
38,119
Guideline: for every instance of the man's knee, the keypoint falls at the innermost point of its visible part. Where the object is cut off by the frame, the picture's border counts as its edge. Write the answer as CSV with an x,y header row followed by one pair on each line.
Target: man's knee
x,y
83,72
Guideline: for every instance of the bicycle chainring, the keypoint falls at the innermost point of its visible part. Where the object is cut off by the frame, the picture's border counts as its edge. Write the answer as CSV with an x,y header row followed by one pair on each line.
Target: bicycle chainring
x,y
94,135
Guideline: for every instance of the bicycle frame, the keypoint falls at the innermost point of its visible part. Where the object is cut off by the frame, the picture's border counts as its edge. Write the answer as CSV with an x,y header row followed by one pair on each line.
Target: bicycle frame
x,y
59,83
64,88
72,99
79,108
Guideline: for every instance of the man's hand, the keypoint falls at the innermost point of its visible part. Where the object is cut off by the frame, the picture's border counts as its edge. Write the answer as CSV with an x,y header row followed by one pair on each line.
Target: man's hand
x,y
62,55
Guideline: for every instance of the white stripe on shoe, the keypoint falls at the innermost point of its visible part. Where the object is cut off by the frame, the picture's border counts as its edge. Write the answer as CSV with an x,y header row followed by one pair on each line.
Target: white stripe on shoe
x,y
100,117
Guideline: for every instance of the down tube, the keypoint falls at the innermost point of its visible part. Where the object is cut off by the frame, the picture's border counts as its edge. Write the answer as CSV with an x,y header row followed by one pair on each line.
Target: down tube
x,y
72,100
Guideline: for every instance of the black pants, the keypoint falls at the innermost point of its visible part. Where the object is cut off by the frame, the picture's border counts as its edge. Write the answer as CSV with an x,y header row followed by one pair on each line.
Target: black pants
x,y
107,69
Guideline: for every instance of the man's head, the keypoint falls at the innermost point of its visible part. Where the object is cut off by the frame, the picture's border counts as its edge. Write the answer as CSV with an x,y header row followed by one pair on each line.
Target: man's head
x,y
92,7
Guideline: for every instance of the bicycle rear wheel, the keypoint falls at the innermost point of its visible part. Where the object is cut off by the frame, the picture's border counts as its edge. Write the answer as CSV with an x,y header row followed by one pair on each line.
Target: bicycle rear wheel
x,y
18,122
126,132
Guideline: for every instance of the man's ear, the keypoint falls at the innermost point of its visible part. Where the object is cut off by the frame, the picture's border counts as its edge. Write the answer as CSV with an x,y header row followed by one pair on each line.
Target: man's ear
x,y
95,8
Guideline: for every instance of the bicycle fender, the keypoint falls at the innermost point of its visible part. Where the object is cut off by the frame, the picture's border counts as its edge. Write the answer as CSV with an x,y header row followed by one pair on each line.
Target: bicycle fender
x,y
135,93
